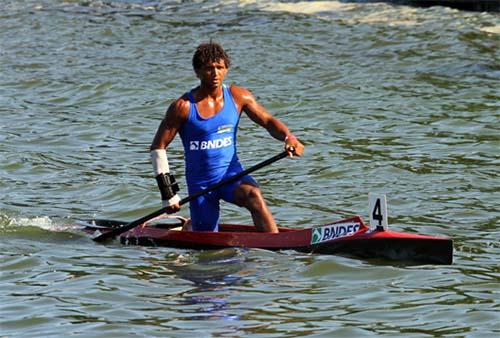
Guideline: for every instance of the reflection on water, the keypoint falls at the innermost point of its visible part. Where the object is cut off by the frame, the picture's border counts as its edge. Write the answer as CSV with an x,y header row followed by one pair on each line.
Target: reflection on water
x,y
212,268
211,272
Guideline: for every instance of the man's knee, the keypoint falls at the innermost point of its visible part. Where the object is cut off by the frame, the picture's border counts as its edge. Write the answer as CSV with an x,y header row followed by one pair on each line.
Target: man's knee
x,y
254,193
249,196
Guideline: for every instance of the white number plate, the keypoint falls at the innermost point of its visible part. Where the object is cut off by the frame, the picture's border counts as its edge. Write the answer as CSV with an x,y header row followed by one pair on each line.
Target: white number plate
x,y
377,208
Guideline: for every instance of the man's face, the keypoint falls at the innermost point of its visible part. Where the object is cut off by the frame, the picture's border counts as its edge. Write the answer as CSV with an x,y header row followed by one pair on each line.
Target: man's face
x,y
212,73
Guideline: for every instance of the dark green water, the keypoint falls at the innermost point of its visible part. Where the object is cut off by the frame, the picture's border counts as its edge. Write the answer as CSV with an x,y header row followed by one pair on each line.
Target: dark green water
x,y
391,99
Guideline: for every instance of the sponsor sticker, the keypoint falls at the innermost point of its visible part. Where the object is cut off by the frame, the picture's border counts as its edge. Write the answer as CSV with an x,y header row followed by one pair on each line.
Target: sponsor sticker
x,y
333,231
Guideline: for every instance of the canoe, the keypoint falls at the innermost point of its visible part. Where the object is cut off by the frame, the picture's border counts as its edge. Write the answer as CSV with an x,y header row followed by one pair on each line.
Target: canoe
x,y
348,237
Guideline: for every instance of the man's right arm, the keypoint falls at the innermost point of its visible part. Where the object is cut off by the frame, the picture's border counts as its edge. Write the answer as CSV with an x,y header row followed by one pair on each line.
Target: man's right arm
x,y
174,118
169,127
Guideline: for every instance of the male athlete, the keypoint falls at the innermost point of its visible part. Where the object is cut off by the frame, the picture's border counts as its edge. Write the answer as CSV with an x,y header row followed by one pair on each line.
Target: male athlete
x,y
206,119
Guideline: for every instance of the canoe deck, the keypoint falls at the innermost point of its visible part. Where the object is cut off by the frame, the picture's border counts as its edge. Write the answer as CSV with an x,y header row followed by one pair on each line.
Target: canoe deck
x,y
347,237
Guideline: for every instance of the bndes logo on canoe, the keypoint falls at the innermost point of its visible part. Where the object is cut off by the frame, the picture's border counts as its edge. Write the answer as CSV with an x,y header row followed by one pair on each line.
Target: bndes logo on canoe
x,y
333,231
211,144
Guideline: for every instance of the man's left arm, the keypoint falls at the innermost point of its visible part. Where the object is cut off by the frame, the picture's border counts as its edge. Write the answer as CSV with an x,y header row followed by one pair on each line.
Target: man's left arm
x,y
258,114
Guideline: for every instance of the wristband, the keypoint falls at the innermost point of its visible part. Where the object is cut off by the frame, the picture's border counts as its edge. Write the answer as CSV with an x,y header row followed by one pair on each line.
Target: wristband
x,y
168,188
290,137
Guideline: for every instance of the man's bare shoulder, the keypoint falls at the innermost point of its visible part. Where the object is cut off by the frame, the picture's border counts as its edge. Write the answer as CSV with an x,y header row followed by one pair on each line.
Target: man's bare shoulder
x,y
241,94
239,91
179,108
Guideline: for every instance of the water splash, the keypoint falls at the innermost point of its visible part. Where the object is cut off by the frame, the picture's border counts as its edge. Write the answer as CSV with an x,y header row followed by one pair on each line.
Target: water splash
x,y
41,222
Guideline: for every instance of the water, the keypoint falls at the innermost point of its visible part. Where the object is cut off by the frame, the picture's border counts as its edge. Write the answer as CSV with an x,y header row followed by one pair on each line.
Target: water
x,y
390,99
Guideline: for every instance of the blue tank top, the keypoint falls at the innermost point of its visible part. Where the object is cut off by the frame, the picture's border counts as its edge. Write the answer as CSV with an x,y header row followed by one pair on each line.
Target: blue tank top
x,y
210,143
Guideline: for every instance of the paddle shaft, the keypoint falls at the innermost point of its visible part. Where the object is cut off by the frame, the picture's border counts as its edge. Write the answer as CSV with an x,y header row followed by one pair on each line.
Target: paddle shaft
x,y
131,225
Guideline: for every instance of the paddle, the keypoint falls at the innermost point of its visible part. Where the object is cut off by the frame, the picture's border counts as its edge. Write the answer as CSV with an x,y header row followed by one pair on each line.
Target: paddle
x,y
131,225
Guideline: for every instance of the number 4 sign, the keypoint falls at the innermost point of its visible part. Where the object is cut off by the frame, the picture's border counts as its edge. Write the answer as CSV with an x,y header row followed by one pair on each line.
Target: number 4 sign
x,y
377,205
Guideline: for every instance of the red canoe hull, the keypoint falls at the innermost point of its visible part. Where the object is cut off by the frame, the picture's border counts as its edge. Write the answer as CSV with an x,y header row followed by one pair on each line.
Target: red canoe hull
x,y
349,237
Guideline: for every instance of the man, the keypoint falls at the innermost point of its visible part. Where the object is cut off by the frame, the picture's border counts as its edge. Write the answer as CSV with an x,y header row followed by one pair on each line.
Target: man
x,y
206,119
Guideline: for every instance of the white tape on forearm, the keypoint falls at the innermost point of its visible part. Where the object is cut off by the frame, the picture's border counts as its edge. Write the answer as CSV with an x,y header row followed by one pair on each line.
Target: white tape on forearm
x,y
160,161
174,200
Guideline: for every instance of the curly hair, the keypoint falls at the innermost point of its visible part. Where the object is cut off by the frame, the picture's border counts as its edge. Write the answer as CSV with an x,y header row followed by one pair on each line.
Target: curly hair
x,y
209,52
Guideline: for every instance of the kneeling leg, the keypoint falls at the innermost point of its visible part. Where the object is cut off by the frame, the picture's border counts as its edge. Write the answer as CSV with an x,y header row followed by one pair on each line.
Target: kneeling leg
x,y
249,196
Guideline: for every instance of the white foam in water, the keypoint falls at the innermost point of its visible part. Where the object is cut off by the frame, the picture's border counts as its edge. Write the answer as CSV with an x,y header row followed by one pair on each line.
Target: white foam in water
x,y
310,7
372,13
43,222
492,29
